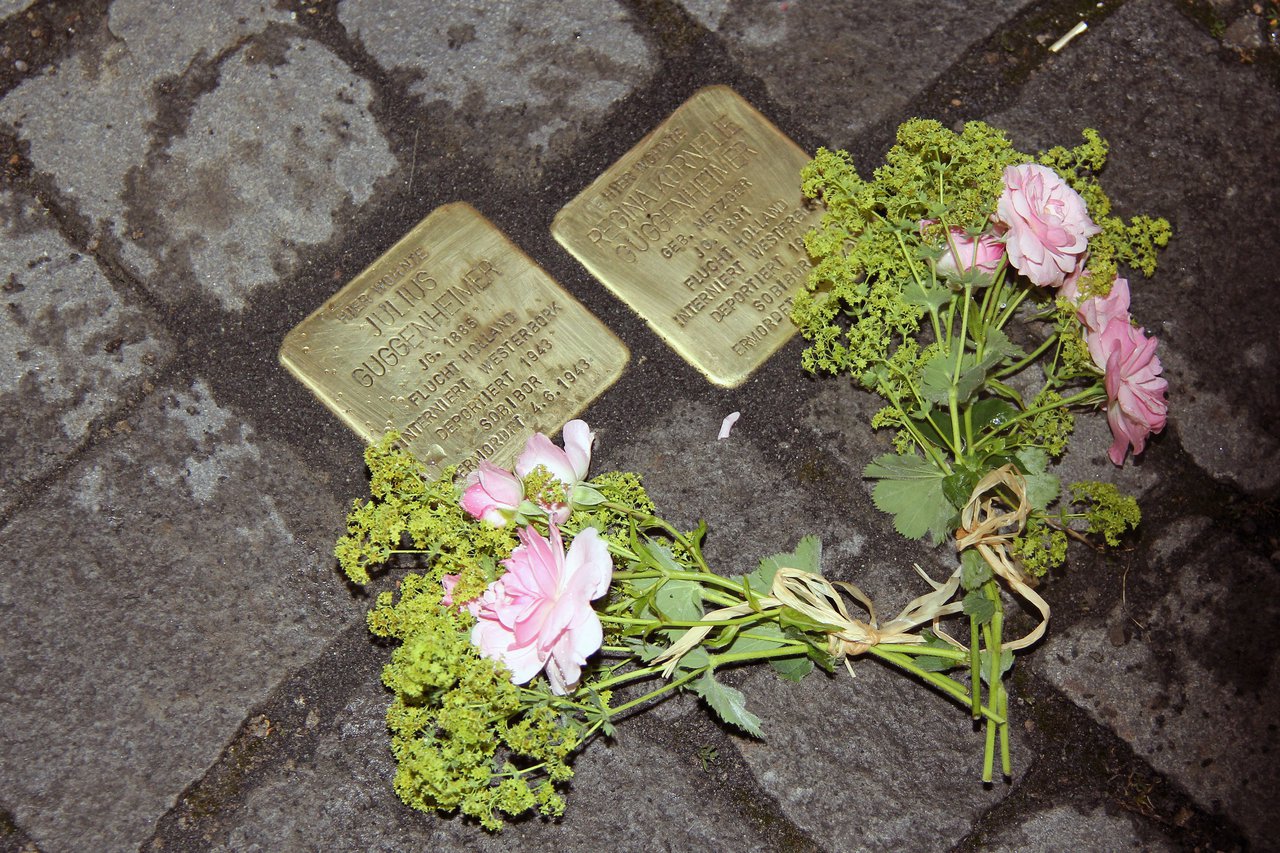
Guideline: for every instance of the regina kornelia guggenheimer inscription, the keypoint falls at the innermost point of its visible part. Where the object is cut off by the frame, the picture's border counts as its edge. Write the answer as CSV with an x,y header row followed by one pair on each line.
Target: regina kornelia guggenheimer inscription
x,y
700,228
457,340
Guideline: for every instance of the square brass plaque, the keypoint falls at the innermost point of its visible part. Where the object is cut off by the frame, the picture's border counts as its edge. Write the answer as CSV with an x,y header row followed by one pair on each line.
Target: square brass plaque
x,y
459,341
700,229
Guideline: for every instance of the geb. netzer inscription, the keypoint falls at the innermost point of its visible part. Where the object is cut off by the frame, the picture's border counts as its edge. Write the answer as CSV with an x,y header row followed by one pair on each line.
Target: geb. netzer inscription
x,y
457,340
700,229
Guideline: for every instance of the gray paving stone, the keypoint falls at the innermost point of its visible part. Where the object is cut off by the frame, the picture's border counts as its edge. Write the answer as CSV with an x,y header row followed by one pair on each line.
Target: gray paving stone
x,y
1065,828
528,85
724,491
706,12
271,161
12,7
106,91
340,798
1193,691
150,598
76,349
1181,120
838,751
859,58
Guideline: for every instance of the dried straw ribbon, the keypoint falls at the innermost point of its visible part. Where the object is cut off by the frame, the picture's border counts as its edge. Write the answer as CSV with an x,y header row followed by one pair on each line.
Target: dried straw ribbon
x,y
985,526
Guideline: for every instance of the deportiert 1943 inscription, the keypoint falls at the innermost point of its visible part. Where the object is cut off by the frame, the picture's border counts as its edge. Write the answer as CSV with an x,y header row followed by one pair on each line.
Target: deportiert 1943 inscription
x,y
459,341
700,229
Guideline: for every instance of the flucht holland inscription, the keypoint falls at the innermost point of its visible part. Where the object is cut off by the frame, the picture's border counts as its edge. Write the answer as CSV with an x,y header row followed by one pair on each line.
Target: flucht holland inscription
x,y
700,229
458,341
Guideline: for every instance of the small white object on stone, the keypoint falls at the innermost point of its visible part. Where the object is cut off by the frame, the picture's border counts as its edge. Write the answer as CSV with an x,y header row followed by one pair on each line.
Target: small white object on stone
x,y
727,424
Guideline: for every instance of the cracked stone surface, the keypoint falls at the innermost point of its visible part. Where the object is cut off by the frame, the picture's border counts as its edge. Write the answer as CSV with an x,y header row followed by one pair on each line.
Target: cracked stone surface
x,y
1065,828
865,64
1171,108
76,349
531,84
11,7
193,583
840,751
1189,673
112,81
706,12
184,668
338,797
259,172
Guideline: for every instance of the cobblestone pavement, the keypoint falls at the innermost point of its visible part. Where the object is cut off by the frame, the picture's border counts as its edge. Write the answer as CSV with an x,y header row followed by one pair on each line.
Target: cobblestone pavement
x,y
184,182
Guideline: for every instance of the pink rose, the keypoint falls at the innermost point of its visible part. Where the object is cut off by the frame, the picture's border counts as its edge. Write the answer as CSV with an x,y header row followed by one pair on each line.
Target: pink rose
x,y
1070,289
539,615
569,465
1098,311
492,494
448,582
1048,225
964,253
1136,405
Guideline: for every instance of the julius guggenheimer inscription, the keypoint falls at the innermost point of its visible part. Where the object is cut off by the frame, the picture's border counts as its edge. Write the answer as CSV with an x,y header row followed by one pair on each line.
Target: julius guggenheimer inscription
x,y
458,341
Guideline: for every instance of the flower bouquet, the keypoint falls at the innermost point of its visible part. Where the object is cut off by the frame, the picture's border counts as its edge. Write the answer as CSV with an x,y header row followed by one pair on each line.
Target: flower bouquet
x,y
973,288
976,290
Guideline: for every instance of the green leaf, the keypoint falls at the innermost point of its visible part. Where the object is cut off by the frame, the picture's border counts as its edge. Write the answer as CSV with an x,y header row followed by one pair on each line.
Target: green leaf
x,y
930,663
979,607
645,651
696,658
728,703
991,413
789,617
958,487
807,557
1006,663
929,298
679,601
792,668
815,647
911,490
585,495
1032,460
1042,489
936,377
974,571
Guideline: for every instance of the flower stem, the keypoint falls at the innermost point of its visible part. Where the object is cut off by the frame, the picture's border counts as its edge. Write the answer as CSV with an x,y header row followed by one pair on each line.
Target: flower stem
x,y
975,662
926,651
1014,368
946,685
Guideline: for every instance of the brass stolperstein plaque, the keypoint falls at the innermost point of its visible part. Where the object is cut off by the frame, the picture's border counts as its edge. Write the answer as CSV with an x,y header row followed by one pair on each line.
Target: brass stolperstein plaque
x,y
459,341
700,228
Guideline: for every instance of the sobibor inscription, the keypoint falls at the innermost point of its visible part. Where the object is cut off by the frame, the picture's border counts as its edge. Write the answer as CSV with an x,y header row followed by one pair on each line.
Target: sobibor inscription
x,y
457,340
700,229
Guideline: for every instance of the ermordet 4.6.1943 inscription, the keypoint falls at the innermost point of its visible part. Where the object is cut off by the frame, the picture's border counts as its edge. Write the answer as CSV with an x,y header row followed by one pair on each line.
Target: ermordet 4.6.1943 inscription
x,y
700,228
458,341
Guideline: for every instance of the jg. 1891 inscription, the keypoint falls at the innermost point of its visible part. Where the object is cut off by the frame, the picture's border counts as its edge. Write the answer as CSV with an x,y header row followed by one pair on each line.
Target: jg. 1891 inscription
x,y
457,340
700,229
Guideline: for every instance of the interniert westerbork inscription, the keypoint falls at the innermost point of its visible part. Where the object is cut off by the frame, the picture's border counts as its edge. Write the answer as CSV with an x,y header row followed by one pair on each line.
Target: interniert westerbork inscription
x,y
458,341
700,229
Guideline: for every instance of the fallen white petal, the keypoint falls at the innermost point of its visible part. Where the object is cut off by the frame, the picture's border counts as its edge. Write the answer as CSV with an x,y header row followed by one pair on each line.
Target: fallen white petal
x,y
728,423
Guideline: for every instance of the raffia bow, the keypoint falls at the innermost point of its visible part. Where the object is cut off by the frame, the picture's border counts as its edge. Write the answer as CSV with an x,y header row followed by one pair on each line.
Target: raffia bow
x,y
820,600
989,526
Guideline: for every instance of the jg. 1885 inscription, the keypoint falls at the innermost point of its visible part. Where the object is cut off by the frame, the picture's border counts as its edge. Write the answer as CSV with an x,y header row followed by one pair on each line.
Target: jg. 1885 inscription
x,y
700,229
457,340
